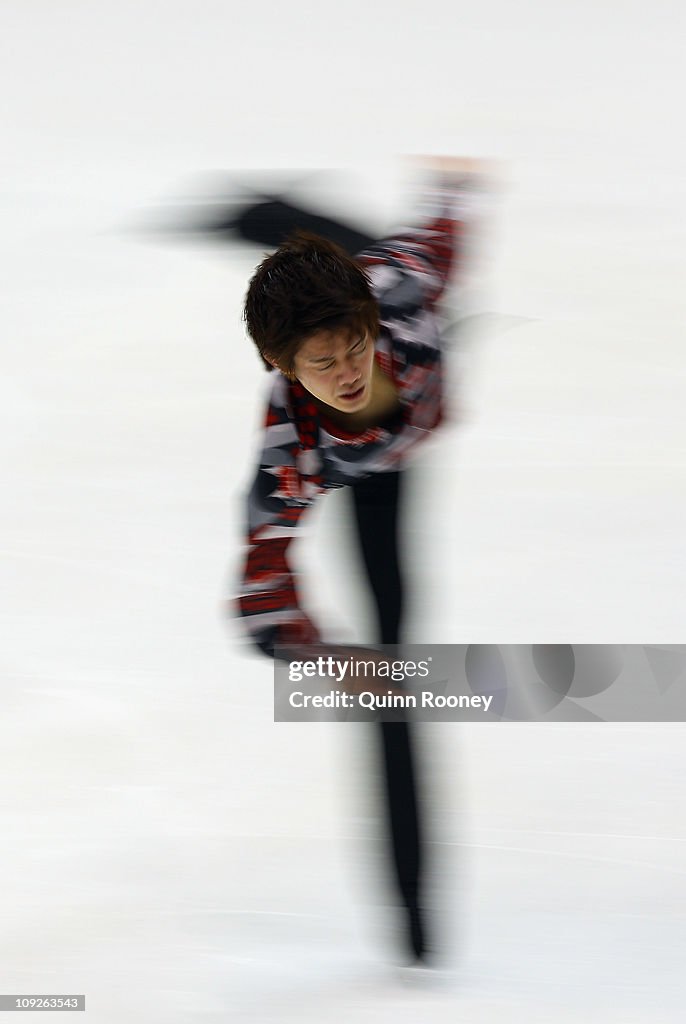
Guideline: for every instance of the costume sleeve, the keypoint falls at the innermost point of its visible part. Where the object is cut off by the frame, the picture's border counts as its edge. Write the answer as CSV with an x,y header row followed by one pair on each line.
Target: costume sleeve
x,y
281,492
410,270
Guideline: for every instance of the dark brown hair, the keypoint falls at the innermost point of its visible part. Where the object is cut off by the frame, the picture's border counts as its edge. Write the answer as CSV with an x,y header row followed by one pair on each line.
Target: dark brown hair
x,y
309,284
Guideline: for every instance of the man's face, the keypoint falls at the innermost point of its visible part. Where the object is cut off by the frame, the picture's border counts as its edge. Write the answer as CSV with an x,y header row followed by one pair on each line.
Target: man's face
x,y
336,367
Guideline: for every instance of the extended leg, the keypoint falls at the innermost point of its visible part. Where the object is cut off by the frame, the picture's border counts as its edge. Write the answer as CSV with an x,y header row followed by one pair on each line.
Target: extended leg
x,y
272,221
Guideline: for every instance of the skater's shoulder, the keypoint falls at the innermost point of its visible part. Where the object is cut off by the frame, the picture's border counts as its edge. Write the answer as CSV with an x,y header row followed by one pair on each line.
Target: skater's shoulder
x,y
393,281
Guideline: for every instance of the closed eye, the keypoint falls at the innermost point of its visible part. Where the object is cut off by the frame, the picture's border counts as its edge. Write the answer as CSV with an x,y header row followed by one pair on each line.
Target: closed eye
x,y
356,349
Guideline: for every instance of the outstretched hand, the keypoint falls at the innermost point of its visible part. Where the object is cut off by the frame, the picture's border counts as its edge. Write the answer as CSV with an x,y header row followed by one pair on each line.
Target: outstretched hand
x,y
452,165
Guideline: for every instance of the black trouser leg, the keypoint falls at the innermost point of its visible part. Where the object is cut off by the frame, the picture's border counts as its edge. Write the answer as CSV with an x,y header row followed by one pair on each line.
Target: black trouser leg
x,y
270,222
376,501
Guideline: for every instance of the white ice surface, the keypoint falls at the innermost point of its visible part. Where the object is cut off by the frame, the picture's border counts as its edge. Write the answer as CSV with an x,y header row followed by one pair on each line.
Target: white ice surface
x,y
166,848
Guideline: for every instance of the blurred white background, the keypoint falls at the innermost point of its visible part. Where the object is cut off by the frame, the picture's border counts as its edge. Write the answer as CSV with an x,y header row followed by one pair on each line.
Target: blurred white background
x,y
166,848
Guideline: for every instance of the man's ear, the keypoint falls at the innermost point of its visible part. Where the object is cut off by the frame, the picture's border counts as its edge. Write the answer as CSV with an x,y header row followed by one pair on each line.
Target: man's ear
x,y
273,362
287,373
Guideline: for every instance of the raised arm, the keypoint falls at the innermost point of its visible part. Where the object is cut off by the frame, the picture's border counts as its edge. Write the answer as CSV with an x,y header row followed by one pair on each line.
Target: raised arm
x,y
412,268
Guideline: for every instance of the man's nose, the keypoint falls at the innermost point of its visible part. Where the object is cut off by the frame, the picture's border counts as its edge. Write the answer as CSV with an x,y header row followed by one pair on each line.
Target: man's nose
x,y
350,370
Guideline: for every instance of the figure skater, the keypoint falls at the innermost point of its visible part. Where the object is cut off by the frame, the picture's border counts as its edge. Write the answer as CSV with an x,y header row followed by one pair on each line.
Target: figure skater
x,y
349,329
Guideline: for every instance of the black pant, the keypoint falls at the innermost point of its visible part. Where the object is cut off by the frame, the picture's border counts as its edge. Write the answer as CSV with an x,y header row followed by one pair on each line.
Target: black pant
x,y
272,221
376,502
